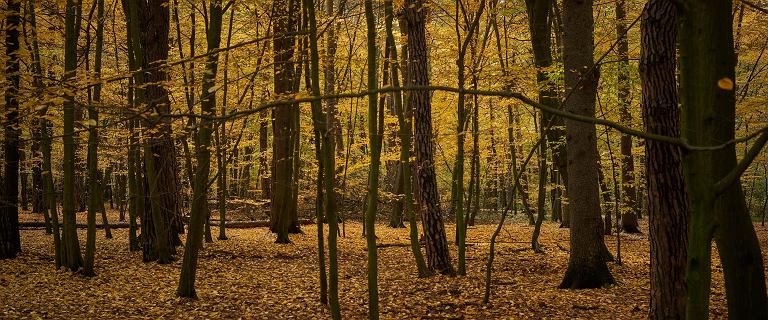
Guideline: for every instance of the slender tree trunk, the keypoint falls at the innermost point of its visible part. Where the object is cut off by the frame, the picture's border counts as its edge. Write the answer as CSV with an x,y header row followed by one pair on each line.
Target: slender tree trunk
x,y
326,180
606,197
135,197
405,133
198,214
629,196
222,145
49,195
460,131
524,196
542,195
265,177
38,196
95,201
71,257
23,176
374,142
556,194
540,26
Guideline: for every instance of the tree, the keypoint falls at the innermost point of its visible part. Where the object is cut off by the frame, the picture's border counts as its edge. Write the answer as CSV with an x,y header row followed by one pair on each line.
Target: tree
x,y
586,265
94,202
44,129
163,221
540,21
284,16
718,208
667,203
629,195
199,210
326,202
461,128
71,257
405,133
10,241
221,142
438,254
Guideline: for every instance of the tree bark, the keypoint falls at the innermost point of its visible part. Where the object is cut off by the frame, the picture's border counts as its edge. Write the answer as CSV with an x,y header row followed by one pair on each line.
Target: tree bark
x,y
667,200
164,216
586,267
10,240
438,254
718,207
285,18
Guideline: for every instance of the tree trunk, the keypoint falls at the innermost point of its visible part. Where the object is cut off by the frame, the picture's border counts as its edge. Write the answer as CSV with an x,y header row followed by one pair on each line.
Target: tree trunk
x,y
95,201
163,218
718,207
284,16
10,241
23,175
629,196
667,203
737,242
199,212
586,265
71,257
438,254
405,124
540,27
374,143
264,173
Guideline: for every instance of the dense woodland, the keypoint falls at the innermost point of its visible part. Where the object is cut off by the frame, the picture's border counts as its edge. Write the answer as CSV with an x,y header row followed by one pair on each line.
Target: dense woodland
x,y
379,158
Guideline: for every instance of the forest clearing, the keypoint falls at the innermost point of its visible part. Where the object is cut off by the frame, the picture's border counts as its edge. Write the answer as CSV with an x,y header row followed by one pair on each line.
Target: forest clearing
x,y
248,277
434,159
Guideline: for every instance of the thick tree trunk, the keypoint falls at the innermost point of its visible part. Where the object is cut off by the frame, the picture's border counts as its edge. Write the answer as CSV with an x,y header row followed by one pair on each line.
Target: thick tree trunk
x,y
162,193
718,209
737,242
284,16
667,203
586,266
10,241
438,254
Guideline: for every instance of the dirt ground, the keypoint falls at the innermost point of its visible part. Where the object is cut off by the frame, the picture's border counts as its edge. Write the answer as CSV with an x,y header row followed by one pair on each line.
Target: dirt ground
x,y
248,276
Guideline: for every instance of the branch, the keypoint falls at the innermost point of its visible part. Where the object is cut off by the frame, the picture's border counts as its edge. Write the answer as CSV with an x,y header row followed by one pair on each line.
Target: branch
x,y
742,166
754,6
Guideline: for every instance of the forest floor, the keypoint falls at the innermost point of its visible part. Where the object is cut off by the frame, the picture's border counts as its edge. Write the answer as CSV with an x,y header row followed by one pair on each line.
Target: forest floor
x,y
249,276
